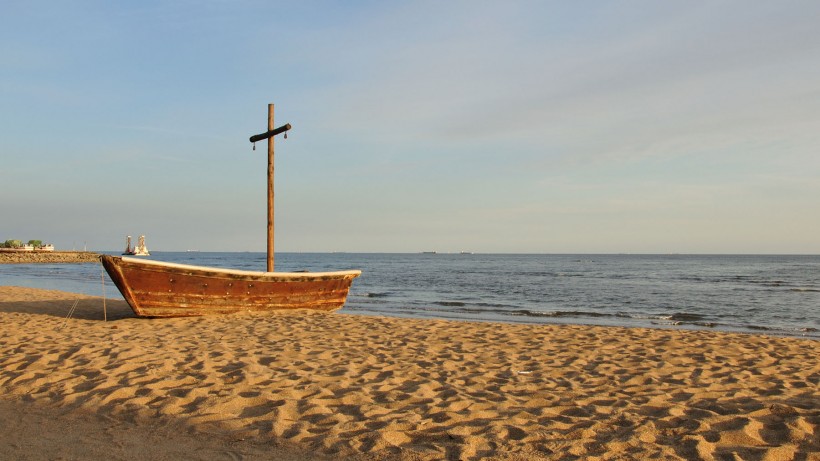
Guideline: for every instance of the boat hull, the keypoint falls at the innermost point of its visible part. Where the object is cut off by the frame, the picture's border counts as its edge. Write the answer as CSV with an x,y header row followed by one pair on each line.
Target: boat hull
x,y
158,289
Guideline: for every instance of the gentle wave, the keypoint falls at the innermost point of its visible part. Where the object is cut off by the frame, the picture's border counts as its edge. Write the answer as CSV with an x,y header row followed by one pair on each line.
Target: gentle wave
x,y
685,317
458,309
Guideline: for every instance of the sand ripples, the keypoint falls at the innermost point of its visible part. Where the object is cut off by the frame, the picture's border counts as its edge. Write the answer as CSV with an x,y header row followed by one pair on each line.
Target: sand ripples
x,y
421,389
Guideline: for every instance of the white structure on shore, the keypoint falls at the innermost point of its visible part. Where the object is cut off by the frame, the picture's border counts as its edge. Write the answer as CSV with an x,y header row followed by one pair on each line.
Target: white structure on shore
x,y
139,250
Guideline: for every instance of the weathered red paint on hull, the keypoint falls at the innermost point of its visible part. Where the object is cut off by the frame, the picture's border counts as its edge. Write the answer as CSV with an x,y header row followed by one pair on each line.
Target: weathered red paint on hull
x,y
156,289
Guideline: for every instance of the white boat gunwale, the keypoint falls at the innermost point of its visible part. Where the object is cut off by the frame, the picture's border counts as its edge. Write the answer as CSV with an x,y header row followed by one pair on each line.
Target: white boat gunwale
x,y
239,272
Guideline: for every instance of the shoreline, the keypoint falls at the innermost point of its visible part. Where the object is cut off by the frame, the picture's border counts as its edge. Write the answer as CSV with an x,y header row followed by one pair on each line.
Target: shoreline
x,y
770,296
361,387
48,257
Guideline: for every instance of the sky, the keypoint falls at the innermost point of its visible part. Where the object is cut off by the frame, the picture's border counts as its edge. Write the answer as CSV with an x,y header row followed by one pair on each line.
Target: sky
x,y
508,127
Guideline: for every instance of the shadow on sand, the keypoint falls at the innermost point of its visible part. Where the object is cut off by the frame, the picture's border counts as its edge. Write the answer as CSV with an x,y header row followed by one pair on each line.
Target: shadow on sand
x,y
86,308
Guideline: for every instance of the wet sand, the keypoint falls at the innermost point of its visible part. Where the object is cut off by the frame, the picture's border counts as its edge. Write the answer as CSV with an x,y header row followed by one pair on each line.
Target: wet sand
x,y
305,386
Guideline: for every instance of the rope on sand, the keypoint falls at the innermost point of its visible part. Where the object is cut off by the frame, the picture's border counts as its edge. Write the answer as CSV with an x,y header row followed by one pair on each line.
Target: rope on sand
x,y
70,312
77,301
102,280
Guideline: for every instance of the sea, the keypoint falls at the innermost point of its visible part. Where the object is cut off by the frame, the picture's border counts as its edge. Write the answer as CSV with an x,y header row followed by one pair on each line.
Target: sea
x,y
778,295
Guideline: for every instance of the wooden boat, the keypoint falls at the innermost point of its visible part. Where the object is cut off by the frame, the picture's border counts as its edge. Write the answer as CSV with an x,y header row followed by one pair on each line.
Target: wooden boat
x,y
162,289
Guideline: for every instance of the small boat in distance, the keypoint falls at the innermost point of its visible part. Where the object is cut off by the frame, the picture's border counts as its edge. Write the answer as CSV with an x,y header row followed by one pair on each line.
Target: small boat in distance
x,y
139,250
162,289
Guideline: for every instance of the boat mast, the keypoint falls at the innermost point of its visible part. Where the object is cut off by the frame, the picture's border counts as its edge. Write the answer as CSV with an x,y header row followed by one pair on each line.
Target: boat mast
x,y
270,190
269,135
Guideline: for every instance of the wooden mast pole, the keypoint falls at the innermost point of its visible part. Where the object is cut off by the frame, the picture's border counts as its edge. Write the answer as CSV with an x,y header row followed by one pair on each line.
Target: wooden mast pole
x,y
269,136
270,189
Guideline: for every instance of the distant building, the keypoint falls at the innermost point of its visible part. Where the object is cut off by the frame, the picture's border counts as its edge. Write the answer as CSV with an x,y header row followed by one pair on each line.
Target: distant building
x,y
17,245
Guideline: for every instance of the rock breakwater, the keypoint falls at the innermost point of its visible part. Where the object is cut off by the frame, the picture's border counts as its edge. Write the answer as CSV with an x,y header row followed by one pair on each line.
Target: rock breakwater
x,y
47,257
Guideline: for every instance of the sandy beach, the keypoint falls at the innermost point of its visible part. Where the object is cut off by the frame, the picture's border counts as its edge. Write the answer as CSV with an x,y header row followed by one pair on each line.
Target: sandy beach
x,y
333,386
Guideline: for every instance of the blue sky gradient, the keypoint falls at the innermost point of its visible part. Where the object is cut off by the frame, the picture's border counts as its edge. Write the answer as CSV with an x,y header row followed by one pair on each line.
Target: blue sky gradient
x,y
556,127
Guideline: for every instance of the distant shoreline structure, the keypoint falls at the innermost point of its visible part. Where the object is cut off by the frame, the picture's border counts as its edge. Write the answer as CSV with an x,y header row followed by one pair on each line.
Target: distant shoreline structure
x,y
28,249
8,256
